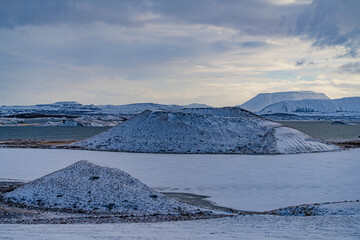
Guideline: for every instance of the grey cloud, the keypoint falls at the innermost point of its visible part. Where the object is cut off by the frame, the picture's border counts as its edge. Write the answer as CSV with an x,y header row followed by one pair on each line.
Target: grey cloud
x,y
353,68
300,62
331,22
23,12
254,44
328,22
250,16
35,12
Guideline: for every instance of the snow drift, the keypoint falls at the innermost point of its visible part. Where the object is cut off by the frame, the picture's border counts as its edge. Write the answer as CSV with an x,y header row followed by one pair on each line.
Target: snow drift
x,y
86,186
204,130
262,100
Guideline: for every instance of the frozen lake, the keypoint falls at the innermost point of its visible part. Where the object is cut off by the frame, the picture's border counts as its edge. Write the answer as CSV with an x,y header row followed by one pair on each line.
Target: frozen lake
x,y
49,133
245,182
317,129
325,130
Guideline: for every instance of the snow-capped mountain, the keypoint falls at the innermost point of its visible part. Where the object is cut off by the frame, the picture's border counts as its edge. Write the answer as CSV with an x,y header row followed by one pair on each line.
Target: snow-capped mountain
x,y
203,130
311,106
262,100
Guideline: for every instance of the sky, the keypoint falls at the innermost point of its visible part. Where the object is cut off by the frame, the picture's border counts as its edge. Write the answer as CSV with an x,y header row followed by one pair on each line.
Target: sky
x,y
217,52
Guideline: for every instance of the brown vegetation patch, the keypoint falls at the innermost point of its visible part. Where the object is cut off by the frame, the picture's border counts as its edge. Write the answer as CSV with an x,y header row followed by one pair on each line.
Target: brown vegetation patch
x,y
348,144
19,143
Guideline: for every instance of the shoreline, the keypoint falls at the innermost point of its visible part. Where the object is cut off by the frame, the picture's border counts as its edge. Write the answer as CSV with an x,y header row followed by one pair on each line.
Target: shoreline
x,y
13,213
63,144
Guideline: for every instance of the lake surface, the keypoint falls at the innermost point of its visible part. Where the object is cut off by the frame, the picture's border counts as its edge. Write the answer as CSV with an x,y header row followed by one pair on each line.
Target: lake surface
x,y
321,130
325,130
49,133
245,182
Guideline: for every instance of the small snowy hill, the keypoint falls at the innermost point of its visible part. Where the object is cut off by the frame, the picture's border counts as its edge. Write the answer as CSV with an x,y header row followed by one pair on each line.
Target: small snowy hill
x,y
321,209
136,108
264,99
350,105
204,130
86,186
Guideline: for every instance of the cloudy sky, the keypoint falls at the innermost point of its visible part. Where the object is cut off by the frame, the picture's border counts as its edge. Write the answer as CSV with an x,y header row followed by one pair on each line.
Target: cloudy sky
x,y
218,52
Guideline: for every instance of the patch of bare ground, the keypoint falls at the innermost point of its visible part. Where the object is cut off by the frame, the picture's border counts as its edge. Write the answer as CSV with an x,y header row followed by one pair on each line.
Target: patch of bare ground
x,y
10,214
19,143
347,144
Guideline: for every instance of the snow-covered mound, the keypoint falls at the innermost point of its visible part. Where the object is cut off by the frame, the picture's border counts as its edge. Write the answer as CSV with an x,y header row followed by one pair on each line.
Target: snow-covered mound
x,y
336,208
86,186
262,100
204,130
350,105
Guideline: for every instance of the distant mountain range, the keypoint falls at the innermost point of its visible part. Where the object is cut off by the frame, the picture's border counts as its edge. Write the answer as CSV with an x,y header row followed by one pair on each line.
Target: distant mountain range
x,y
279,105
72,108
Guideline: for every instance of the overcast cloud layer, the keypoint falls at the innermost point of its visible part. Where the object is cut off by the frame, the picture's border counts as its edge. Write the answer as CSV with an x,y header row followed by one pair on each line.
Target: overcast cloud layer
x,y
208,51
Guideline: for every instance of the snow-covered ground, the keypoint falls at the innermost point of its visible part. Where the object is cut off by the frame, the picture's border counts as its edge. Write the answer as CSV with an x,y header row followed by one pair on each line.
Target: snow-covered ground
x,y
241,227
244,182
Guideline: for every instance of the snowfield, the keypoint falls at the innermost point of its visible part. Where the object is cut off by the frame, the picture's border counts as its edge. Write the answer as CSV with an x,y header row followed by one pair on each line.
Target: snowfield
x,y
204,130
89,187
241,227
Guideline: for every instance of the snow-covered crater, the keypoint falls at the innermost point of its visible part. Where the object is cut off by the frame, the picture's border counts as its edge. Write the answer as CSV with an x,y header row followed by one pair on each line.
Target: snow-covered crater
x,y
88,187
204,130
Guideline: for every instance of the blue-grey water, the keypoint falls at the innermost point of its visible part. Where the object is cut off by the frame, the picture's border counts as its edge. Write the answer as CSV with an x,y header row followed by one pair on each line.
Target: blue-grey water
x,y
325,130
321,130
48,133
